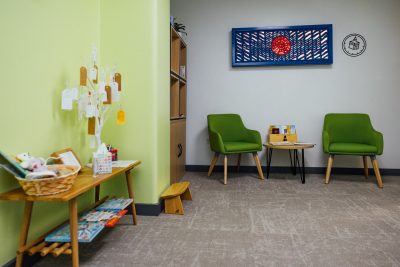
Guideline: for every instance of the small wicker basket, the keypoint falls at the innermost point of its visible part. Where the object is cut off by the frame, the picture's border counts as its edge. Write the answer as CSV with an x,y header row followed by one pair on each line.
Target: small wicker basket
x,y
50,186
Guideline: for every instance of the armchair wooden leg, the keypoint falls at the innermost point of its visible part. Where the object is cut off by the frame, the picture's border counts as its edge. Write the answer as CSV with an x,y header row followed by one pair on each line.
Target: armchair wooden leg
x,y
213,162
257,161
238,162
328,169
225,169
376,171
365,161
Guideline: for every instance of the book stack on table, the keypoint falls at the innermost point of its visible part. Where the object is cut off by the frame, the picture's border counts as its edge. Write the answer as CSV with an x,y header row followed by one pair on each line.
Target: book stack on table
x,y
91,223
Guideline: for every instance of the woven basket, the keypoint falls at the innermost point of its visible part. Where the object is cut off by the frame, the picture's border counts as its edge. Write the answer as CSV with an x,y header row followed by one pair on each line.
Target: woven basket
x,y
50,186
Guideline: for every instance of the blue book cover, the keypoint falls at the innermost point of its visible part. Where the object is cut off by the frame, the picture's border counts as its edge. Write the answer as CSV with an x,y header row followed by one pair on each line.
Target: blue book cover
x,y
86,233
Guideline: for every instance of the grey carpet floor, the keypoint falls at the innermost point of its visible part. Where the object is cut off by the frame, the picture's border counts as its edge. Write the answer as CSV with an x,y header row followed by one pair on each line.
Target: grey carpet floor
x,y
249,222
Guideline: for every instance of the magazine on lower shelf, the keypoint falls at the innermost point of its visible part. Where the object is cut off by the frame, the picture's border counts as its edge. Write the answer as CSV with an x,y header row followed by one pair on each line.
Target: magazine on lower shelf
x,y
97,216
86,233
115,204
108,218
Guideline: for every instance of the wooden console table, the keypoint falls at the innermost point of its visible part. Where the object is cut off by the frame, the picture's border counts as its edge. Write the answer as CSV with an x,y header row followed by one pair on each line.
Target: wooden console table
x,y
83,183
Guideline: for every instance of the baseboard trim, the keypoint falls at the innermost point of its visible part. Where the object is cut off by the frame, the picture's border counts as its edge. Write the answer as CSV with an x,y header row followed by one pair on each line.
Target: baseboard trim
x,y
148,209
286,169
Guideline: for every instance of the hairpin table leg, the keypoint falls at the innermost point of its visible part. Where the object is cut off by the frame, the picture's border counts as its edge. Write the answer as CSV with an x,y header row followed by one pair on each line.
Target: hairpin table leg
x,y
269,158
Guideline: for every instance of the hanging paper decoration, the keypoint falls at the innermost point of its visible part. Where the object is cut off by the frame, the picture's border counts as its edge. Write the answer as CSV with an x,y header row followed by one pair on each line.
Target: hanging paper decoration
x,y
92,126
121,117
95,96
108,95
293,45
83,76
117,78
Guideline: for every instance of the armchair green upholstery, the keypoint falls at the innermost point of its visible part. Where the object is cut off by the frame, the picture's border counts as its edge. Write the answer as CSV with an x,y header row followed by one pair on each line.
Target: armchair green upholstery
x,y
228,135
352,134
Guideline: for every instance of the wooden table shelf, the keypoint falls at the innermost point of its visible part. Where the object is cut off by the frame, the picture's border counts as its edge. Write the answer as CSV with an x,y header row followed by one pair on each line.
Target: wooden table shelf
x,y
84,182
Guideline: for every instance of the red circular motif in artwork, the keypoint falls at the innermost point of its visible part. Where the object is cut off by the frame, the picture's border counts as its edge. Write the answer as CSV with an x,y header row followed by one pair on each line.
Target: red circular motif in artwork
x,y
281,45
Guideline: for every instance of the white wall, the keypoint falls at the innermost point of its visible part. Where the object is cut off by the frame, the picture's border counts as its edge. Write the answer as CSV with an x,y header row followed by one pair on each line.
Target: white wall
x,y
299,95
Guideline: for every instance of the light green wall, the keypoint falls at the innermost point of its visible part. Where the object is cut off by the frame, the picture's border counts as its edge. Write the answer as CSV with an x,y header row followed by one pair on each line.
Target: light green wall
x,y
134,35
43,44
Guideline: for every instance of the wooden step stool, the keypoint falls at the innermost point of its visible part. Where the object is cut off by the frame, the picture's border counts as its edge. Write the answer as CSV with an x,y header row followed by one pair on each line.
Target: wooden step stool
x,y
174,195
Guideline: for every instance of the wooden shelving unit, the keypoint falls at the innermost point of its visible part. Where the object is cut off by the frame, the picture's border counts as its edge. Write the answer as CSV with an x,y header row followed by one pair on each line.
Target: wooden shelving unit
x,y
178,107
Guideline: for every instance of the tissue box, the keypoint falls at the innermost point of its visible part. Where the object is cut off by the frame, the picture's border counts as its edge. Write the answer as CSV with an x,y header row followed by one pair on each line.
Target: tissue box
x,y
102,163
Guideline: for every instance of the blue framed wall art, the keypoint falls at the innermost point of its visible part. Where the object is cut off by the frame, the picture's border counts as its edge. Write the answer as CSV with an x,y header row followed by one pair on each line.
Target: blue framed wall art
x,y
291,45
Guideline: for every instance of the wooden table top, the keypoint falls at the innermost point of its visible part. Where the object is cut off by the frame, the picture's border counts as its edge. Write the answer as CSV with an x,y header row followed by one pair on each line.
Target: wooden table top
x,y
84,182
298,146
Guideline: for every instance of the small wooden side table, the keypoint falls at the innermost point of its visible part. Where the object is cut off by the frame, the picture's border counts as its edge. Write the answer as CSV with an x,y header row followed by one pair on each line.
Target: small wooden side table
x,y
294,161
83,183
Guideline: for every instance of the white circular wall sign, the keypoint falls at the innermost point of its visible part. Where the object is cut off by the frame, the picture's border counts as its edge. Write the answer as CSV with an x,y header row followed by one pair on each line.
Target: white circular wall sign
x,y
354,45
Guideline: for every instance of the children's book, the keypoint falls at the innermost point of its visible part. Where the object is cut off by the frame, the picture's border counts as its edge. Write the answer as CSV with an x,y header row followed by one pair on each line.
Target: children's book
x,y
86,233
108,218
113,221
101,216
282,129
292,129
115,204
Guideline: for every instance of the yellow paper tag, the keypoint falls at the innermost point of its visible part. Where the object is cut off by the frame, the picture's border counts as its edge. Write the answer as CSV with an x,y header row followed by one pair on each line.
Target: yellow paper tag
x,y
121,117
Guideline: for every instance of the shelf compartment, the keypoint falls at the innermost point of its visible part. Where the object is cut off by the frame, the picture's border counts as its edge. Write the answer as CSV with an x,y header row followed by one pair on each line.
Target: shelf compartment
x,y
175,51
174,98
182,99
182,62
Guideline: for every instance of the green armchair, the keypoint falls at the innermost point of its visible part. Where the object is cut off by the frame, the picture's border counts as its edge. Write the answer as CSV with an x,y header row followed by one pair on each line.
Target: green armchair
x,y
352,134
228,135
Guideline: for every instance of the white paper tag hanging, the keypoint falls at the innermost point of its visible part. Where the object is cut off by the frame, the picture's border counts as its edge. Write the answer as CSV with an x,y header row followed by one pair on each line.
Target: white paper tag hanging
x,y
115,96
90,111
96,112
93,73
66,99
114,91
102,91
74,93
82,103
92,141
102,86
